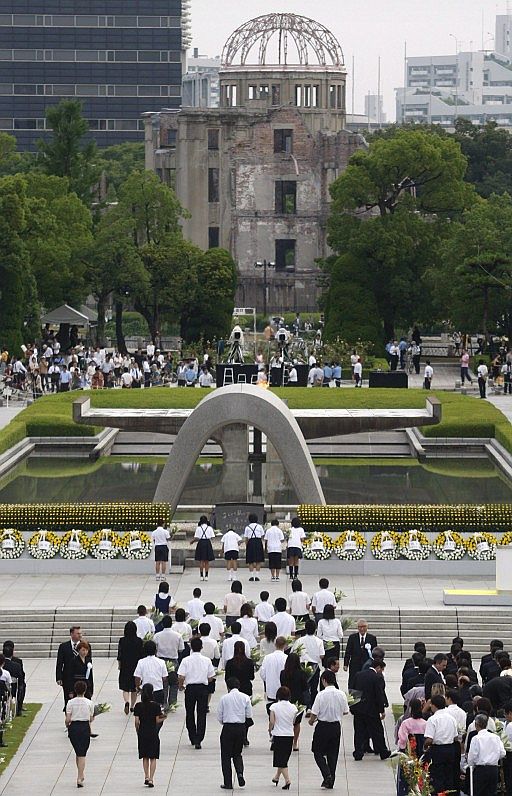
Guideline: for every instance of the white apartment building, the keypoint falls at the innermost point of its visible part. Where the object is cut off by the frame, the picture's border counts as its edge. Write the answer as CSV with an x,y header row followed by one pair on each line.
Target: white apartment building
x,y
201,81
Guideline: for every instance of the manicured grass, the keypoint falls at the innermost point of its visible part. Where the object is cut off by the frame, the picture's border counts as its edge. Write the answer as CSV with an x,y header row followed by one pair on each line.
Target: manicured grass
x,y
14,735
463,415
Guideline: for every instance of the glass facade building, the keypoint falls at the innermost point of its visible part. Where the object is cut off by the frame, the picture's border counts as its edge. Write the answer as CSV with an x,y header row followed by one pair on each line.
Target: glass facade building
x,y
120,58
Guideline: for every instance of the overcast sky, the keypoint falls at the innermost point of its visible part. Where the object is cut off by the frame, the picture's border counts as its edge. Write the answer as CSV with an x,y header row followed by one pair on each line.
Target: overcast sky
x,y
365,30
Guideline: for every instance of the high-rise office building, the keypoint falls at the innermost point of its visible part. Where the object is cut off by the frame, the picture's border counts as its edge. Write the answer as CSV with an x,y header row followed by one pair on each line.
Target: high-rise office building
x,y
119,57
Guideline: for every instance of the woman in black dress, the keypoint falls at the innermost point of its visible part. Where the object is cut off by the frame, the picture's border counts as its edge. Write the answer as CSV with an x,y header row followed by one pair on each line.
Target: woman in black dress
x,y
148,718
82,668
129,653
204,550
295,679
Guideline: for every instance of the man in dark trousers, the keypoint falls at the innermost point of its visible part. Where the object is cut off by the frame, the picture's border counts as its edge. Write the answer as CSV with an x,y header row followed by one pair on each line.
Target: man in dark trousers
x,y
358,650
328,710
369,712
499,689
234,713
435,673
66,655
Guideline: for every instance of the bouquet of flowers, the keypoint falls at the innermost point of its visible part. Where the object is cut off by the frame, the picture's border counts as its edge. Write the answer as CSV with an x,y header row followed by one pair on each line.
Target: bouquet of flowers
x,y
414,545
172,707
105,544
350,546
102,707
136,545
155,615
385,545
415,770
256,657
317,547
255,700
481,546
449,546
43,545
74,545
169,665
11,543
338,594
347,622
353,697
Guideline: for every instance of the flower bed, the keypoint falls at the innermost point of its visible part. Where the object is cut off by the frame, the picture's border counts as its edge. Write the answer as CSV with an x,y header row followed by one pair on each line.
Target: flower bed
x,y
492,517
86,516
349,546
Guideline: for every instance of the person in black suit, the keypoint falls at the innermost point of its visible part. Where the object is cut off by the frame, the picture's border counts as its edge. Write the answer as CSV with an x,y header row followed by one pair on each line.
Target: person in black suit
x,y
369,712
419,646
65,667
15,668
82,668
435,673
495,646
499,690
357,651
412,673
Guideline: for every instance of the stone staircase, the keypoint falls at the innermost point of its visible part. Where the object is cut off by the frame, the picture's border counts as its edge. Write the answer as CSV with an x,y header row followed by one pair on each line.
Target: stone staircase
x,y
38,633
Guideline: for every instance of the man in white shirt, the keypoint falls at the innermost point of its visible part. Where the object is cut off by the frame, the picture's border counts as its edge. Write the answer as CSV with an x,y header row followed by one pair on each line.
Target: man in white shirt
x,y
316,376
194,675
283,621
322,598
453,707
292,376
160,538
328,710
264,611
144,624
274,539
210,645
150,351
228,645
427,375
230,542
215,622
126,379
482,373
169,644
485,752
233,711
271,668
195,607
152,670
358,373
205,378
441,733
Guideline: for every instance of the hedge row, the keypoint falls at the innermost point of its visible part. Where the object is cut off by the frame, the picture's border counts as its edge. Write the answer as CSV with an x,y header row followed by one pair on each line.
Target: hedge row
x,y
86,516
492,517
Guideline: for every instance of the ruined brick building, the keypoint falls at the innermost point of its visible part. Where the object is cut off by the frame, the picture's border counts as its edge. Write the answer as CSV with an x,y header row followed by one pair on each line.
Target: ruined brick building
x,y
254,173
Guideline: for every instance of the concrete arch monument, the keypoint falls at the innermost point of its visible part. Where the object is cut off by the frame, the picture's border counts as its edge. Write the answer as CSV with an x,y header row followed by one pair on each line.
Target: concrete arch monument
x,y
251,406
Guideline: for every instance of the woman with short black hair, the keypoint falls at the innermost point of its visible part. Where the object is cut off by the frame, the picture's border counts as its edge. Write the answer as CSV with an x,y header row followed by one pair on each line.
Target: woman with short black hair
x,y
129,653
148,718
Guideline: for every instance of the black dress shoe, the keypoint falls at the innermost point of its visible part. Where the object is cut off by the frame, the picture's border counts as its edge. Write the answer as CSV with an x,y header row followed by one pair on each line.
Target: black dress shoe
x,y
227,787
94,734
197,745
385,755
241,782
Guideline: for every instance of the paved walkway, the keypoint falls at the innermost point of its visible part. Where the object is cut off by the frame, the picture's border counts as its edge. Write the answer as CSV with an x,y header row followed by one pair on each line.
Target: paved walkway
x,y
113,768
120,591
7,413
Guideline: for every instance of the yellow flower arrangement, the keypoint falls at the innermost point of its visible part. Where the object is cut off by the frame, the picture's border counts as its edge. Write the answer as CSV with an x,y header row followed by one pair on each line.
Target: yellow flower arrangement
x,y
385,545
105,544
505,539
74,545
414,545
350,546
43,545
135,545
317,547
86,516
481,546
449,546
11,543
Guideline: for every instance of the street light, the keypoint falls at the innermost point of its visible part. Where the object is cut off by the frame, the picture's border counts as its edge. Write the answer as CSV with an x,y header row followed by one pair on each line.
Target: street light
x,y
264,264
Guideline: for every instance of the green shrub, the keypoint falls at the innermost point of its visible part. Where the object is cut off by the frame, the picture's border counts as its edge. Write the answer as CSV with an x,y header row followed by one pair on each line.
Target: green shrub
x,y
11,435
47,427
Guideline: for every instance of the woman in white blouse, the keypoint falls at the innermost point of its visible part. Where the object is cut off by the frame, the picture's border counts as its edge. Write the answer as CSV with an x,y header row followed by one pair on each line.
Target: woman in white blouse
x,y
79,714
268,642
281,727
233,602
330,630
249,625
299,602
294,547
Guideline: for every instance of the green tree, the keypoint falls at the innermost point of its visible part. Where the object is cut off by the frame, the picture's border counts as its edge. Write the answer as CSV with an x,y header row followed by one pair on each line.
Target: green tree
x,y
66,154
18,310
350,308
58,232
388,214
115,268
151,207
209,313
489,154
475,284
119,162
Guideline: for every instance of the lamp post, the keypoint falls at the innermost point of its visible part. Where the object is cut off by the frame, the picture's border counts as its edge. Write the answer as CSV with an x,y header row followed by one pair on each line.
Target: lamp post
x,y
264,264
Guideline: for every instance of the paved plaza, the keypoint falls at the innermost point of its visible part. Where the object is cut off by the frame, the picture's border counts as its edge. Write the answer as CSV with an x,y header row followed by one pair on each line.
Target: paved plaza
x,y
112,763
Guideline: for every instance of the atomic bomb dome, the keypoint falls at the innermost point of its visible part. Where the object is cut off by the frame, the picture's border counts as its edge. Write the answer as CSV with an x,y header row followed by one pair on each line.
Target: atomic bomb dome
x,y
298,40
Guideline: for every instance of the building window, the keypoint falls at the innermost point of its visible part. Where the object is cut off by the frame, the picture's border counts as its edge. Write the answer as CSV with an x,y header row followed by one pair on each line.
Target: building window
x,y
213,237
276,94
213,185
171,137
213,139
283,141
286,197
298,96
332,96
231,96
307,97
285,255
315,96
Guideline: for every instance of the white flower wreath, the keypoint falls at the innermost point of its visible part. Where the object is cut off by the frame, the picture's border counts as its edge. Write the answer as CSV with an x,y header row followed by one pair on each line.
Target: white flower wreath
x,y
43,545
11,543
104,544
136,545
481,546
385,545
449,546
74,545
317,547
414,545
350,546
